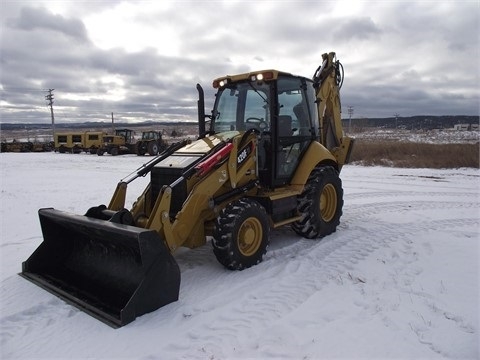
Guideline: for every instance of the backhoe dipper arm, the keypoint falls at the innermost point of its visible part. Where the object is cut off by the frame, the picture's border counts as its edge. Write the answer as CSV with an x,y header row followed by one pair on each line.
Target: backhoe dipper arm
x,y
327,81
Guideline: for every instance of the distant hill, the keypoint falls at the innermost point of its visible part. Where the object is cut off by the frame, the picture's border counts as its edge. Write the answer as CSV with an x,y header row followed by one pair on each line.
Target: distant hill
x,y
420,122
426,122
89,125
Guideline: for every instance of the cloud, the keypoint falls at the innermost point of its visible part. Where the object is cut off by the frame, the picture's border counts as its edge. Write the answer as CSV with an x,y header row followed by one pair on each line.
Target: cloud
x,y
40,19
142,60
361,28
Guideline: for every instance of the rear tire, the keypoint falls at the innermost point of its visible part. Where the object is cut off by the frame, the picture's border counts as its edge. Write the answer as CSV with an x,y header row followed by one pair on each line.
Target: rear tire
x,y
320,204
153,148
241,235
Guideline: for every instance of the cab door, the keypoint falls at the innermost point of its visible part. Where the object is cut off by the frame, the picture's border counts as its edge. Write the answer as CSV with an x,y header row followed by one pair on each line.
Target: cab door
x,y
292,127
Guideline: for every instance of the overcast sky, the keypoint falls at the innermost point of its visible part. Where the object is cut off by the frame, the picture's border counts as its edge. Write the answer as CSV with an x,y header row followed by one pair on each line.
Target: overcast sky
x,y
141,60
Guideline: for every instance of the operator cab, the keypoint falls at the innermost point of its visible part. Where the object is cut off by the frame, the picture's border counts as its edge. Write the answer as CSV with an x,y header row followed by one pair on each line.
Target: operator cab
x,y
280,107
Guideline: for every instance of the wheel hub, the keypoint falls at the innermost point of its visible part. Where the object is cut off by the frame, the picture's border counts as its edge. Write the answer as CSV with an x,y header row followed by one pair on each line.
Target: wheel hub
x,y
328,202
250,236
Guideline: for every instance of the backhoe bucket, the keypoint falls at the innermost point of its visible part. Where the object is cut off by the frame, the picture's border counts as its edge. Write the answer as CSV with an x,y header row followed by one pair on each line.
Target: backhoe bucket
x,y
112,271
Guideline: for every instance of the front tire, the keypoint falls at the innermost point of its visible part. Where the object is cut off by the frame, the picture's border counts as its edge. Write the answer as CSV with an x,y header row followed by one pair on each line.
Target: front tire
x,y
141,149
320,204
241,235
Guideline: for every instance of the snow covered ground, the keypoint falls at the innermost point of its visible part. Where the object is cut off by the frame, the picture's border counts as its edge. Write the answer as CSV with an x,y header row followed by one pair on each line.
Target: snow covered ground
x,y
399,278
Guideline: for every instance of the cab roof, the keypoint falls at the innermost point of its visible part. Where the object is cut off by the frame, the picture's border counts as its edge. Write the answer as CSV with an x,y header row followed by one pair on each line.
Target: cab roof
x,y
260,75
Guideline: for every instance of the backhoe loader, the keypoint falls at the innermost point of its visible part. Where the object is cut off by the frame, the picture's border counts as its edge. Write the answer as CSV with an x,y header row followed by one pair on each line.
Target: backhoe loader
x,y
268,155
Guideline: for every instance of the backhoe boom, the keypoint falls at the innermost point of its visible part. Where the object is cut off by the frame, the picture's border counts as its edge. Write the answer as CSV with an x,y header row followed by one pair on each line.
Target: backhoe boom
x,y
327,82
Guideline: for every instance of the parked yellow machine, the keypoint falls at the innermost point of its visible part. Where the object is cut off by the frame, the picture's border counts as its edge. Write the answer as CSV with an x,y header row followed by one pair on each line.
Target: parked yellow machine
x,y
79,141
123,142
271,157
65,141
93,141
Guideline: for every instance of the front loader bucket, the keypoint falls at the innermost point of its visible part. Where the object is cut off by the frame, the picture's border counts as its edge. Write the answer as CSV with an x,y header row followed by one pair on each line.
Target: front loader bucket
x,y
112,271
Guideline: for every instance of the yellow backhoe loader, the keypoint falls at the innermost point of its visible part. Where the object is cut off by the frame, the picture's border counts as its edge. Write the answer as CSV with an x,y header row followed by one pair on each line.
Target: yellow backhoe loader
x,y
268,155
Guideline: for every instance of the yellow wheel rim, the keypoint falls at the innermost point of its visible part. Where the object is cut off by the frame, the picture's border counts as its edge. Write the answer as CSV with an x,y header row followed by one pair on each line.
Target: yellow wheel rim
x,y
328,202
250,236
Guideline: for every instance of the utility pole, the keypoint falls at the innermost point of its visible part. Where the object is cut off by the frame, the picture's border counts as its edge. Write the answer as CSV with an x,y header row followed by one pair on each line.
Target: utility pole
x,y
49,97
350,113
396,120
113,125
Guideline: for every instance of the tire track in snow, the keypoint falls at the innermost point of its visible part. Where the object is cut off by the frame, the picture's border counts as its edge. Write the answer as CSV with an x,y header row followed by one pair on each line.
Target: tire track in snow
x,y
338,264
396,194
23,322
286,273
403,272
355,210
355,213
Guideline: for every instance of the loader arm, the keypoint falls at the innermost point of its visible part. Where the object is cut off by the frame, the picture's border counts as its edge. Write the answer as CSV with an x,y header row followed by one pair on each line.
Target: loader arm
x,y
117,202
327,82
218,178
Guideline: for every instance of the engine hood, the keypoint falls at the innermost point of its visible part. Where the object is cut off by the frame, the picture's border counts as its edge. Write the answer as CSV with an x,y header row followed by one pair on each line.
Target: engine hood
x,y
193,152
204,145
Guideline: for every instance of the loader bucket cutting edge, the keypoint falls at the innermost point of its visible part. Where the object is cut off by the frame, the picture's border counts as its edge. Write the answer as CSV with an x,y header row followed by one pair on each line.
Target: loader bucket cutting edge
x,y
111,271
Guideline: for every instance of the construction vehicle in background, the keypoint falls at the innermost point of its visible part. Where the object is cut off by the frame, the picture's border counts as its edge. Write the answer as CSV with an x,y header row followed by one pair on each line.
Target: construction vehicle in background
x,y
77,142
42,146
151,143
69,142
93,141
268,155
123,142
36,145
16,146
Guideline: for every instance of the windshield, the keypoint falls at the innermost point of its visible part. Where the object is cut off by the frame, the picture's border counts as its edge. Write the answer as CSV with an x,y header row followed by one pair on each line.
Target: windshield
x,y
242,106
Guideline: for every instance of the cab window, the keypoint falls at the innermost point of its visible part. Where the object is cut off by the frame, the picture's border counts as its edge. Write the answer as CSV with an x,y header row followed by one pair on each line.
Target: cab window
x,y
293,127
